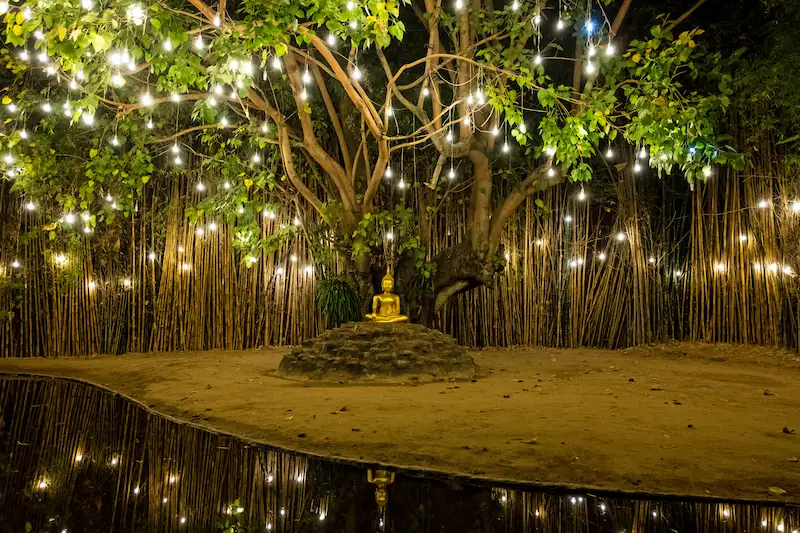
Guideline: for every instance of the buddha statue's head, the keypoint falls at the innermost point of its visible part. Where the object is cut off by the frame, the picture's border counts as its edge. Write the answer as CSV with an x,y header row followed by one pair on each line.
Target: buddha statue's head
x,y
387,283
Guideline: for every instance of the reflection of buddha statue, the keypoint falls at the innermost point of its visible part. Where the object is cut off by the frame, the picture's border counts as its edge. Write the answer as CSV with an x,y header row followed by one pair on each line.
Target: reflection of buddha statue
x,y
386,306
381,479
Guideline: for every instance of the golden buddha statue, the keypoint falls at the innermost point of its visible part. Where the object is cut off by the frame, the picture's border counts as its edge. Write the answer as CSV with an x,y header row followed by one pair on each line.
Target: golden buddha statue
x,y
386,306
381,479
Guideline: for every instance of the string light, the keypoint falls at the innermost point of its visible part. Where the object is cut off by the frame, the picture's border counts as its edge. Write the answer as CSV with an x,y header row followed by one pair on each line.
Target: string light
x,y
226,185
15,264
538,59
46,107
506,147
459,5
515,6
136,14
590,68
212,226
637,167
719,267
568,219
198,43
743,238
200,186
551,172
651,260
449,136
146,99
216,21
69,218
425,92
610,50
117,80
24,56
388,172
763,204
296,221
92,286
3,7
582,195
390,236
621,236
452,173
331,40
30,206
149,124
151,256
357,73
609,153
602,257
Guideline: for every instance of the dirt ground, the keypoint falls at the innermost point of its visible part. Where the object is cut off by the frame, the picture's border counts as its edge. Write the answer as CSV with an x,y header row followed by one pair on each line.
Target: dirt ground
x,y
689,419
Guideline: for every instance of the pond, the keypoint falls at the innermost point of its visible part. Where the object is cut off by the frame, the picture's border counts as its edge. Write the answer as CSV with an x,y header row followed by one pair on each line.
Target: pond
x,y
75,458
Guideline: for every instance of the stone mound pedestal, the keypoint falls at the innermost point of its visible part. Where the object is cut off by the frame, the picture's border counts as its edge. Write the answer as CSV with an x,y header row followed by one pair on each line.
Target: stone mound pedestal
x,y
371,351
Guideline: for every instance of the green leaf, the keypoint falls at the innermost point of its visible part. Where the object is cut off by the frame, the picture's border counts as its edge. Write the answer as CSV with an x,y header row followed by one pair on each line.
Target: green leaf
x,y
145,179
92,153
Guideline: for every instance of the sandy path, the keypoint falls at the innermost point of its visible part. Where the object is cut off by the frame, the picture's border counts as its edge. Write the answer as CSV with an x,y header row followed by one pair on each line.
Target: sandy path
x,y
686,419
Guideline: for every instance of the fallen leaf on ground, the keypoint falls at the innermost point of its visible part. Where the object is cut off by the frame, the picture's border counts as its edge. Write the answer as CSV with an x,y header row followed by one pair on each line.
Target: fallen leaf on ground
x,y
531,441
792,459
655,387
768,393
288,417
788,431
777,490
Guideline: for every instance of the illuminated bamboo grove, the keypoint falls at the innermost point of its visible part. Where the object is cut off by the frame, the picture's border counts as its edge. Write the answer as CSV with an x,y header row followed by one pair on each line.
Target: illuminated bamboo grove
x,y
643,259
83,459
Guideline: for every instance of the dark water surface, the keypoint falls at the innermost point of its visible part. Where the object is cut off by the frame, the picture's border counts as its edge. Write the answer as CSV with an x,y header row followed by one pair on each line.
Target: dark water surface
x,y
78,459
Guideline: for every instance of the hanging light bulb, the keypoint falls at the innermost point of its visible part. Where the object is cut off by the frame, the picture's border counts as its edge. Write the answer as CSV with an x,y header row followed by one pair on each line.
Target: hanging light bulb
x,y
707,171
449,136
506,147
495,131
175,97
51,69
12,107
306,76
38,35
350,5
149,124
24,56
146,99
357,73
136,14
212,101
223,122
114,141
425,92
226,185
538,59
537,19
550,150
73,84
88,119
30,206
459,4
3,7
515,5
609,153
117,80
200,186
198,43
643,153
8,159
42,57
276,63
388,173
402,184
560,24
218,89
216,21
23,134
304,94
582,195
551,172
256,158
610,50
264,127
592,50
452,173
175,149
167,44
590,68
589,26
637,167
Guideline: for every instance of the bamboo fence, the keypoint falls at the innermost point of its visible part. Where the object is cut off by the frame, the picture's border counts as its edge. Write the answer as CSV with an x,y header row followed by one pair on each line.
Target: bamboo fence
x,y
713,264
81,459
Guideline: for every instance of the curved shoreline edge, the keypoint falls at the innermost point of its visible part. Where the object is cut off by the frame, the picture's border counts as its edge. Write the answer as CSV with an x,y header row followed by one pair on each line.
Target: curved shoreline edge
x,y
434,474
